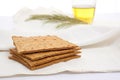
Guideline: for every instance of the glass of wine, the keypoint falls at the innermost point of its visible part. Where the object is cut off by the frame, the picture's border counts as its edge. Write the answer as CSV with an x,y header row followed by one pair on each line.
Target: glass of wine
x,y
84,10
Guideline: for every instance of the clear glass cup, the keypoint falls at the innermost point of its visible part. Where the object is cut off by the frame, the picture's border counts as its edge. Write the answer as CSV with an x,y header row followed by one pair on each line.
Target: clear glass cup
x,y
84,10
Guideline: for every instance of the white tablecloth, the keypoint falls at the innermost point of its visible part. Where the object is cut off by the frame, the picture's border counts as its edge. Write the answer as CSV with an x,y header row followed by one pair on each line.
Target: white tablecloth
x,y
7,23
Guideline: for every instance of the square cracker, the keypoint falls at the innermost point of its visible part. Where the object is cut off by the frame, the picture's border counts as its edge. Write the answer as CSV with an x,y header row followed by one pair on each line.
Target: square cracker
x,y
44,60
43,65
40,43
41,55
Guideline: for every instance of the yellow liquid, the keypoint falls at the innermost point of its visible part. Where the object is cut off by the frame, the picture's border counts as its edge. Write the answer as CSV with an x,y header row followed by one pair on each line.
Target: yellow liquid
x,y
84,14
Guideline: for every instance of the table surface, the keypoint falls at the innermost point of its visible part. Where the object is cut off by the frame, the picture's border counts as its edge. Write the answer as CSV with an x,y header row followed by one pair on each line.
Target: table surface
x,y
6,23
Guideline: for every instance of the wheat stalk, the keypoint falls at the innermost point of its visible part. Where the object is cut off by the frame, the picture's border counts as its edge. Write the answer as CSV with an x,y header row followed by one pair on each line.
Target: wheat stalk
x,y
62,20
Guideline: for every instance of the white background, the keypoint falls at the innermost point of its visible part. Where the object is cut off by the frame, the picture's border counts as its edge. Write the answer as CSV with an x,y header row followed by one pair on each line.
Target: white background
x,y
10,7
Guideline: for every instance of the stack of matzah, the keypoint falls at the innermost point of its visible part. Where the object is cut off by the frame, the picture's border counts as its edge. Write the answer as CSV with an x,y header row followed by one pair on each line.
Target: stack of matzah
x,y
41,51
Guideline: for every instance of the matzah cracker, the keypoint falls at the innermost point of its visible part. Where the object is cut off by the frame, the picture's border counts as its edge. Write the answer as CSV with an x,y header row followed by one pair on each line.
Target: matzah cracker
x,y
40,43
